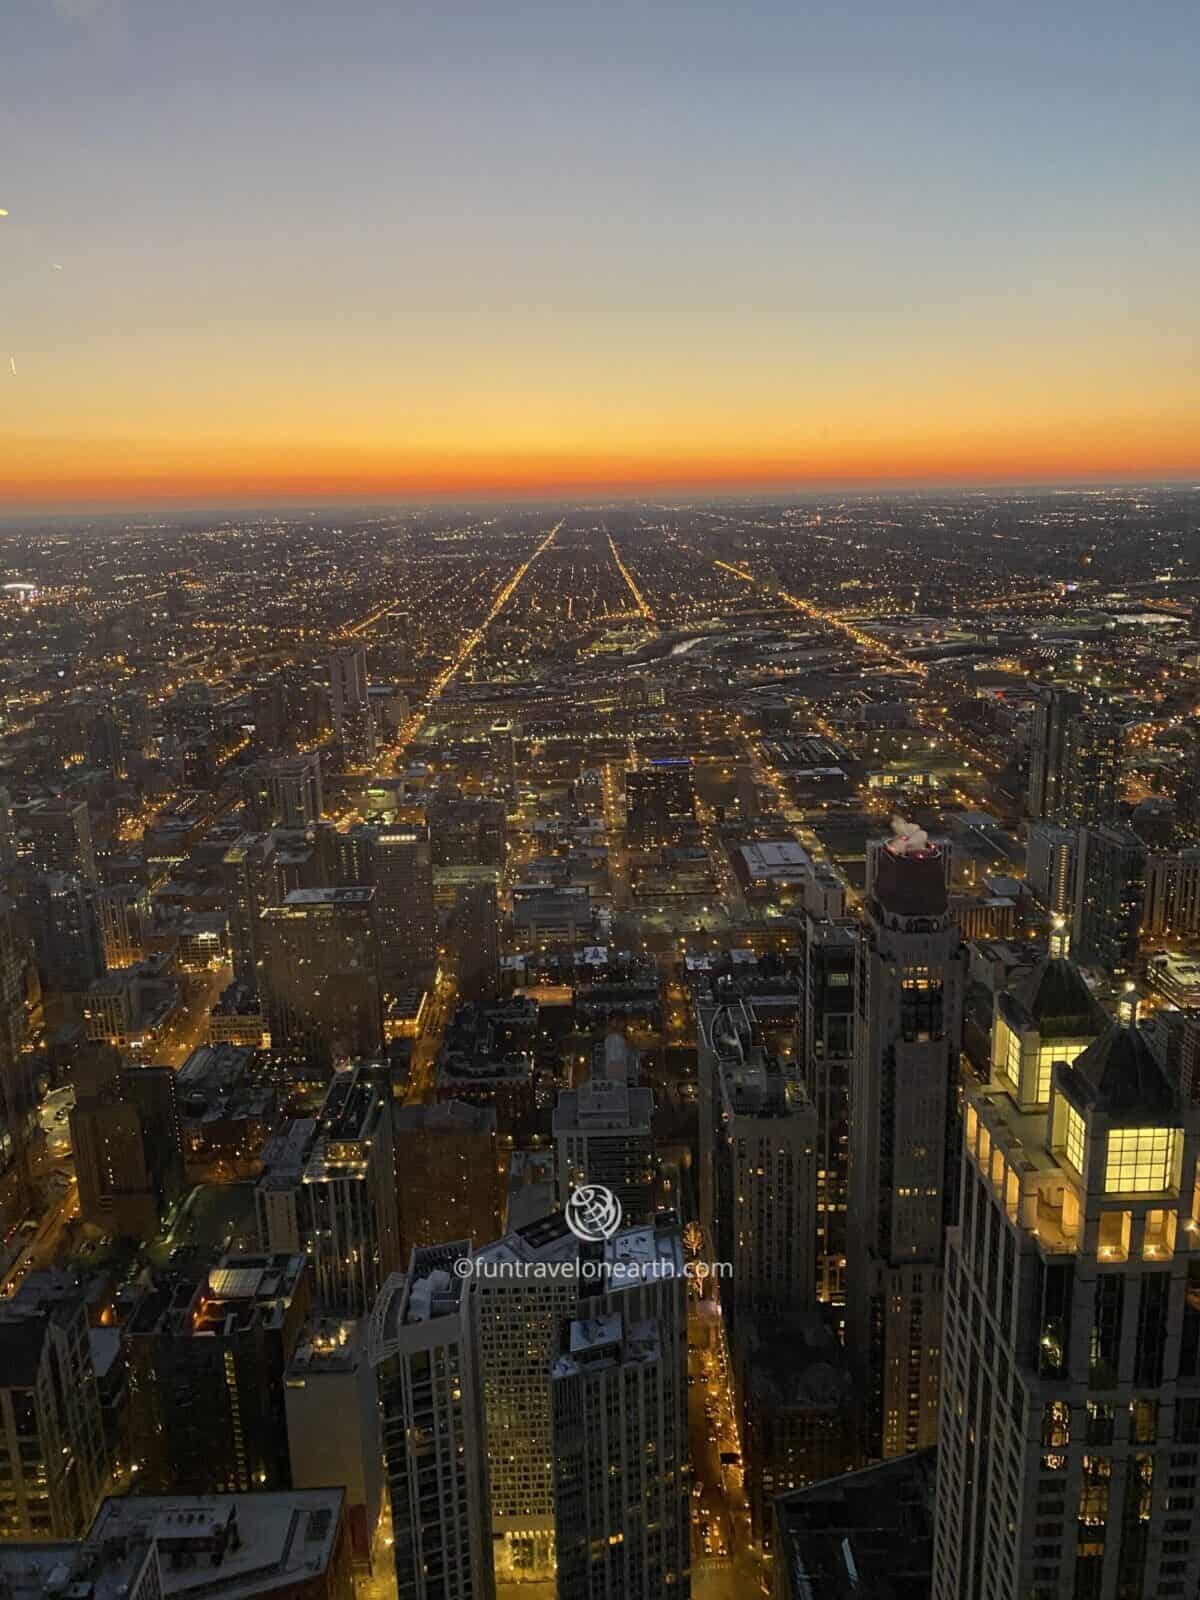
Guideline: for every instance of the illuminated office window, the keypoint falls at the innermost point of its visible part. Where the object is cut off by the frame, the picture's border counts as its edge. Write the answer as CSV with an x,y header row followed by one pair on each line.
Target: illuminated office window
x,y
1074,1138
1140,1160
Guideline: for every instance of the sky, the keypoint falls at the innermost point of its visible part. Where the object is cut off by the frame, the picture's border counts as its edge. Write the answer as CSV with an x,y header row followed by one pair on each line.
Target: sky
x,y
264,250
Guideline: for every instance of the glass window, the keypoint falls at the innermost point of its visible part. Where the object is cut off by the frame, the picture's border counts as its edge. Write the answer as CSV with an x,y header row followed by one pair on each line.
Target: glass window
x,y
1074,1137
1140,1160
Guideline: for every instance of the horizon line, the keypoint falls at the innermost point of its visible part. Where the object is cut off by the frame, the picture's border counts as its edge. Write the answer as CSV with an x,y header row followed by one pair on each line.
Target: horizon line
x,y
598,494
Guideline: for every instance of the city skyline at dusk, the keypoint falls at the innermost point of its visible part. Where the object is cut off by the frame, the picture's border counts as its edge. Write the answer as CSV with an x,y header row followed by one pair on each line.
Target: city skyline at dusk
x,y
292,254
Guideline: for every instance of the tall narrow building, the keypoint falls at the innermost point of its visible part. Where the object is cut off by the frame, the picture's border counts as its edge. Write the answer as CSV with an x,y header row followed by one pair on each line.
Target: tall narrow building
x,y
904,1142
1110,888
825,1056
620,1453
350,703
758,1167
1071,1408
433,1436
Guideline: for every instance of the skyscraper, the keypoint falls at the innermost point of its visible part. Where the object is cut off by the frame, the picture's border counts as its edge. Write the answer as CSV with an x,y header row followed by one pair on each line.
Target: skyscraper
x,y
903,1143
1050,866
433,1435
504,757
452,1178
824,1057
51,1433
61,918
1071,1413
476,937
1110,882
660,803
205,1367
603,1133
394,859
1074,760
318,973
62,838
350,703
758,1167
128,1144
620,1533
248,878
333,1188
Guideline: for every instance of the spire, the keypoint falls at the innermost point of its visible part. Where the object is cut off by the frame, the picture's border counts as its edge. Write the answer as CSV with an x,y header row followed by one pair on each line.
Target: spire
x,y
1060,939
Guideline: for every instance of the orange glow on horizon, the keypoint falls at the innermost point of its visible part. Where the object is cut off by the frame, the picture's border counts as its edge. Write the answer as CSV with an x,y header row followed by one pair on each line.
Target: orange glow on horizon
x,y
142,474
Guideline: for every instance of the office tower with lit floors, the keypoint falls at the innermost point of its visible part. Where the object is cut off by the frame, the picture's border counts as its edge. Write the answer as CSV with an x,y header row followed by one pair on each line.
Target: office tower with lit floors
x,y
619,1457
1070,1429
331,1185
350,703
318,971
51,1431
824,1057
502,740
660,803
61,833
422,1349
758,1167
475,935
1110,888
903,1142
394,859
1075,757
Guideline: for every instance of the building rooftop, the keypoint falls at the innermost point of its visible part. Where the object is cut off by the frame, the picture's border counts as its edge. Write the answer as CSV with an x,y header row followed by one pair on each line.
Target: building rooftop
x,y
864,1536
263,1543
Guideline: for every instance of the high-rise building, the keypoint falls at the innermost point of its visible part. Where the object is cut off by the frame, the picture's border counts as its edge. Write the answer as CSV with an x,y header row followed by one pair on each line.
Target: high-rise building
x,y
475,933
660,803
604,1133
333,1432
1110,882
51,1432
1071,1413
18,1098
1172,899
1045,1015
904,1095
758,1166
394,859
620,1459
824,1057
319,975
452,1174
61,917
1091,787
248,879
62,838
124,917
503,745
467,832
128,1144
205,1370
433,1433
350,702
331,1184
1047,749
1074,760
284,792
1050,866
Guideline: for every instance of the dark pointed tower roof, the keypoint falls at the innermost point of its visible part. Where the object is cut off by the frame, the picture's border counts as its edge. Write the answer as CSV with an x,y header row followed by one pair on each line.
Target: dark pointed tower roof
x,y
1054,998
1119,1075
